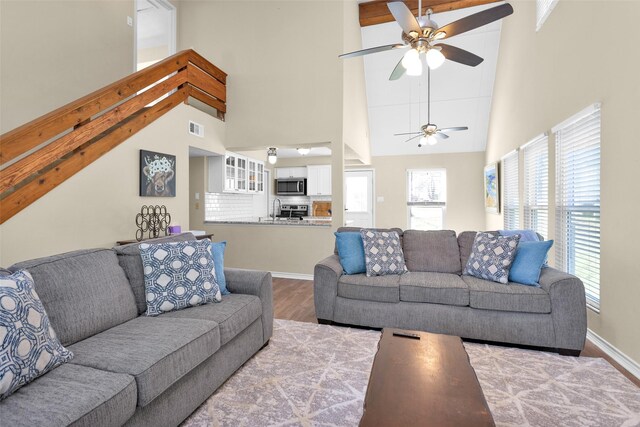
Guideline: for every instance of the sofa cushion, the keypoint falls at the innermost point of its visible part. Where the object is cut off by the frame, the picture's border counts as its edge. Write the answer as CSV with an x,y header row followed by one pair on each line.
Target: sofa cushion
x,y
382,253
156,351
491,257
233,315
488,295
436,288
84,292
465,243
178,275
72,395
29,347
435,251
131,263
377,288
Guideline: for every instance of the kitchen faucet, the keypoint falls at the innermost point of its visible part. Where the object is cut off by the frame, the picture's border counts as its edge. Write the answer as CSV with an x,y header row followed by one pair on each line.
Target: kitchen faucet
x,y
273,214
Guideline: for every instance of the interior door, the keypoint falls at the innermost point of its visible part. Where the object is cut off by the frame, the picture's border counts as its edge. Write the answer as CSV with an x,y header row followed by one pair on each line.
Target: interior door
x,y
359,193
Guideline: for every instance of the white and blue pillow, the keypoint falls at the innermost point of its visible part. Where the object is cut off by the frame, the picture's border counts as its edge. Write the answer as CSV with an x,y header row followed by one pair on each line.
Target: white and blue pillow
x,y
178,275
351,252
491,257
28,345
382,253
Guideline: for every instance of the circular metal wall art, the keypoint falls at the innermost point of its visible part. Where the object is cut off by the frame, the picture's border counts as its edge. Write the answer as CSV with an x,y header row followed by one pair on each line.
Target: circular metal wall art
x,y
152,220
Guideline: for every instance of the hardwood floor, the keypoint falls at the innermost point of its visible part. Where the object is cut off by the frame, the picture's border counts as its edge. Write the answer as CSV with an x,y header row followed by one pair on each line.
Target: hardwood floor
x,y
293,300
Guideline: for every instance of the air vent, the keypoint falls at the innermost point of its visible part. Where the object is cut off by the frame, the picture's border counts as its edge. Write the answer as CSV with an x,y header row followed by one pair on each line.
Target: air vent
x,y
196,129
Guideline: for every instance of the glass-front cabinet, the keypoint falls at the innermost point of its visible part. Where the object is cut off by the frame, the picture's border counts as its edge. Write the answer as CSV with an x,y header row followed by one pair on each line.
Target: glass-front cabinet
x,y
241,174
233,173
260,178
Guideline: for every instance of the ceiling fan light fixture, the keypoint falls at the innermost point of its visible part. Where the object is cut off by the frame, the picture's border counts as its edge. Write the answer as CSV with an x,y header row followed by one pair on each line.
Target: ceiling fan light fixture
x,y
423,141
415,69
411,59
303,151
431,140
439,35
435,58
272,155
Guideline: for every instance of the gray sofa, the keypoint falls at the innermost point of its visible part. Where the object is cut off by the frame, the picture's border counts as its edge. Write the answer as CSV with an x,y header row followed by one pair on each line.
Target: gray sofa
x,y
433,296
128,368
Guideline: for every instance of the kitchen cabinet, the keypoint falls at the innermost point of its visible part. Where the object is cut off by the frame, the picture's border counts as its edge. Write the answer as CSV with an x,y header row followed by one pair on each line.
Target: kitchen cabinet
x,y
296,172
232,173
319,180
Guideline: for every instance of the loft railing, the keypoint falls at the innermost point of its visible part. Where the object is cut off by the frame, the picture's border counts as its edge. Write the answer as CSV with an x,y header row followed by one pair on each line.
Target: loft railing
x,y
39,155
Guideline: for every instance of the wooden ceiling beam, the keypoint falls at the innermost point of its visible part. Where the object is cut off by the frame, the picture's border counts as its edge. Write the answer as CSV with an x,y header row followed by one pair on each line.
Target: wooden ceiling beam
x,y
377,12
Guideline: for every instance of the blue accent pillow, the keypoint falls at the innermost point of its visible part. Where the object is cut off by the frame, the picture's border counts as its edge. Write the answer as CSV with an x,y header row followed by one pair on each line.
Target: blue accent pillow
x,y
178,275
525,235
351,252
28,345
530,257
218,261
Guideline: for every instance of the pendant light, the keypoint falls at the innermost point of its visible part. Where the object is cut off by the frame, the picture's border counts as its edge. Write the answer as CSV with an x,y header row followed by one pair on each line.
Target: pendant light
x,y
272,155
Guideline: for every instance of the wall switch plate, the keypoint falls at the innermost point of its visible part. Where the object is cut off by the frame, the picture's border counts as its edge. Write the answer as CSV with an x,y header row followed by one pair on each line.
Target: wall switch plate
x,y
380,199
129,21
197,196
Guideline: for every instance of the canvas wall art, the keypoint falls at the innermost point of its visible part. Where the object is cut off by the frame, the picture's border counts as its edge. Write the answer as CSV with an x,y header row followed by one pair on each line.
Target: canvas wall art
x,y
157,174
491,188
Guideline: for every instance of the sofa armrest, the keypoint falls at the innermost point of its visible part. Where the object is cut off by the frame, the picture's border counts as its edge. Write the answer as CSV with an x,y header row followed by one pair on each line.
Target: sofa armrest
x,y
568,307
325,286
258,283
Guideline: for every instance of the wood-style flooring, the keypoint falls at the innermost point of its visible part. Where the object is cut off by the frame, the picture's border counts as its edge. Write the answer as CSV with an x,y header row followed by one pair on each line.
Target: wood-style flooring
x,y
293,300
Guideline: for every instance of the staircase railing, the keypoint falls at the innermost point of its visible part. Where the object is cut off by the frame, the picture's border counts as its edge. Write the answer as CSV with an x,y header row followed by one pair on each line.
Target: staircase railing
x,y
39,155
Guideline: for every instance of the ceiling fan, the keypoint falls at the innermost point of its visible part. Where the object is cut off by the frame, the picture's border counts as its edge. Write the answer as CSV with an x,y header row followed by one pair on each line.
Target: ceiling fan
x,y
422,34
429,133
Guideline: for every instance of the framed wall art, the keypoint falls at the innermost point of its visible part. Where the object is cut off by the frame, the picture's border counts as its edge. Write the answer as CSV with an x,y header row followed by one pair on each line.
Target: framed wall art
x,y
157,174
491,188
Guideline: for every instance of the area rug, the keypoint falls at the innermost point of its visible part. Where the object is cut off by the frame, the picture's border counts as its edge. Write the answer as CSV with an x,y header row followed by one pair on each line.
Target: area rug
x,y
316,375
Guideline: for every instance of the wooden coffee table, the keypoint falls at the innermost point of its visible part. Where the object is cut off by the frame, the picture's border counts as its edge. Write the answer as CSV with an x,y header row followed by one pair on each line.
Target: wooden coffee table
x,y
425,382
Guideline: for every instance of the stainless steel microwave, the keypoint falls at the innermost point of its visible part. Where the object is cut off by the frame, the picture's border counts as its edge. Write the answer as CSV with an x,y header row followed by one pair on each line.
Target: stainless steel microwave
x,y
291,187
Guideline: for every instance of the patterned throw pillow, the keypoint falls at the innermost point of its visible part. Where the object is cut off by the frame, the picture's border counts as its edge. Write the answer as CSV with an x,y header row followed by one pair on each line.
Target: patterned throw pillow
x,y
28,345
491,257
178,275
382,252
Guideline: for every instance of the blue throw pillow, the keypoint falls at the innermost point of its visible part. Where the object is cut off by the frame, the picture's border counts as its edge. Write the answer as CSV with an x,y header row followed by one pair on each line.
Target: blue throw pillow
x,y
530,256
525,235
351,252
218,261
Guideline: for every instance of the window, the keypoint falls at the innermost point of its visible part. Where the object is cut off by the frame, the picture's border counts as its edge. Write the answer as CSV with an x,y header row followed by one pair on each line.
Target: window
x,y
543,10
578,200
426,198
511,204
536,185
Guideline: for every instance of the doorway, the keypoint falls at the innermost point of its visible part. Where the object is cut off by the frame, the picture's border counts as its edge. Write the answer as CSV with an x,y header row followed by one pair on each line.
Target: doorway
x,y
155,32
358,195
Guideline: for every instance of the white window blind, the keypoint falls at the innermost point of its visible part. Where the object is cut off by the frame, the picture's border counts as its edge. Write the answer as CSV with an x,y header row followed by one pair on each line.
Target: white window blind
x,y
536,185
578,200
511,204
543,10
426,198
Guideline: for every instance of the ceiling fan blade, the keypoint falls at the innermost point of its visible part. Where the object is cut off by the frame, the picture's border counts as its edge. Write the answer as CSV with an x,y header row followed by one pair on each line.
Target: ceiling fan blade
x,y
453,129
476,20
398,71
462,56
441,135
414,137
372,50
407,133
404,17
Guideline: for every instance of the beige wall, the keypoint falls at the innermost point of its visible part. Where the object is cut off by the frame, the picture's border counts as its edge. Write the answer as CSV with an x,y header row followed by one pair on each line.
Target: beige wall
x,y
97,206
544,78
465,209
53,52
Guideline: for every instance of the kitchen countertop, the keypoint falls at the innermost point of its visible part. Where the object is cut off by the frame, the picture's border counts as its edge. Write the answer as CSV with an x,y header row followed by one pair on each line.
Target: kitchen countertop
x,y
307,222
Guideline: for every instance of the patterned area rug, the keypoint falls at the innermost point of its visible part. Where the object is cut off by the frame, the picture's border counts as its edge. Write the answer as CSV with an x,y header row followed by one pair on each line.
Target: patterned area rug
x,y
316,375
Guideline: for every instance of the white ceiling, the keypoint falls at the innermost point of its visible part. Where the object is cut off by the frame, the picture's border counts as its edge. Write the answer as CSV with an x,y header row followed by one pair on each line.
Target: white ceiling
x,y
460,95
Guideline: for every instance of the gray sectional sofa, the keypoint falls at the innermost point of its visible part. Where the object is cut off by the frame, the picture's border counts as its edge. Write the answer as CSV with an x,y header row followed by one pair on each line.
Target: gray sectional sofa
x,y
128,368
434,296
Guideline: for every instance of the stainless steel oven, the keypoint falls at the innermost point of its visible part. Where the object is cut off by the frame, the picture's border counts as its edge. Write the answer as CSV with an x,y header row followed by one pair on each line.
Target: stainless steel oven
x,y
291,187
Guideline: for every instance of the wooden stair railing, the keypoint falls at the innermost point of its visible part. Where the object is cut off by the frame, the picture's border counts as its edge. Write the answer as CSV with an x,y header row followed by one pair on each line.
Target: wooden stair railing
x,y
68,139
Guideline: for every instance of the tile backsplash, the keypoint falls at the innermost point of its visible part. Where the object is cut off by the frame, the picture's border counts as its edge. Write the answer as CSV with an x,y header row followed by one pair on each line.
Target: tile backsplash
x,y
228,207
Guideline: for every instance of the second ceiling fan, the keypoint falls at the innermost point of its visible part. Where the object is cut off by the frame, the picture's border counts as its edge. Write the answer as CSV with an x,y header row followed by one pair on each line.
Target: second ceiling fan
x,y
423,35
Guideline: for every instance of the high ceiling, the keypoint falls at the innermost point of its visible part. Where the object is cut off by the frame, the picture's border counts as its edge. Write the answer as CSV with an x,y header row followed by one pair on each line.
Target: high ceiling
x,y
460,95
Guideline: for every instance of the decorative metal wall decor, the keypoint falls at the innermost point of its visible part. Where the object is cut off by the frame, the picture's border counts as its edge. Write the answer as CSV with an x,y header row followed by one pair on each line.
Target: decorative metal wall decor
x,y
157,174
152,220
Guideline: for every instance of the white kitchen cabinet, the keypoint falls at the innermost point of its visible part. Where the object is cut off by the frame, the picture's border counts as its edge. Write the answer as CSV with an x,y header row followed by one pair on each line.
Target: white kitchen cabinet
x,y
228,173
255,177
296,172
319,180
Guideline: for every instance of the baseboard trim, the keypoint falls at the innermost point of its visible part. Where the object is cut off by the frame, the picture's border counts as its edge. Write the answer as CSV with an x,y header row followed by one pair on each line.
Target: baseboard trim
x,y
295,276
624,360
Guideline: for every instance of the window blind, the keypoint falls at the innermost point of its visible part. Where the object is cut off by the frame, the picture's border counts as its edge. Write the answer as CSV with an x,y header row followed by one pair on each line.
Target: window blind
x,y
511,204
543,10
578,200
426,198
536,185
